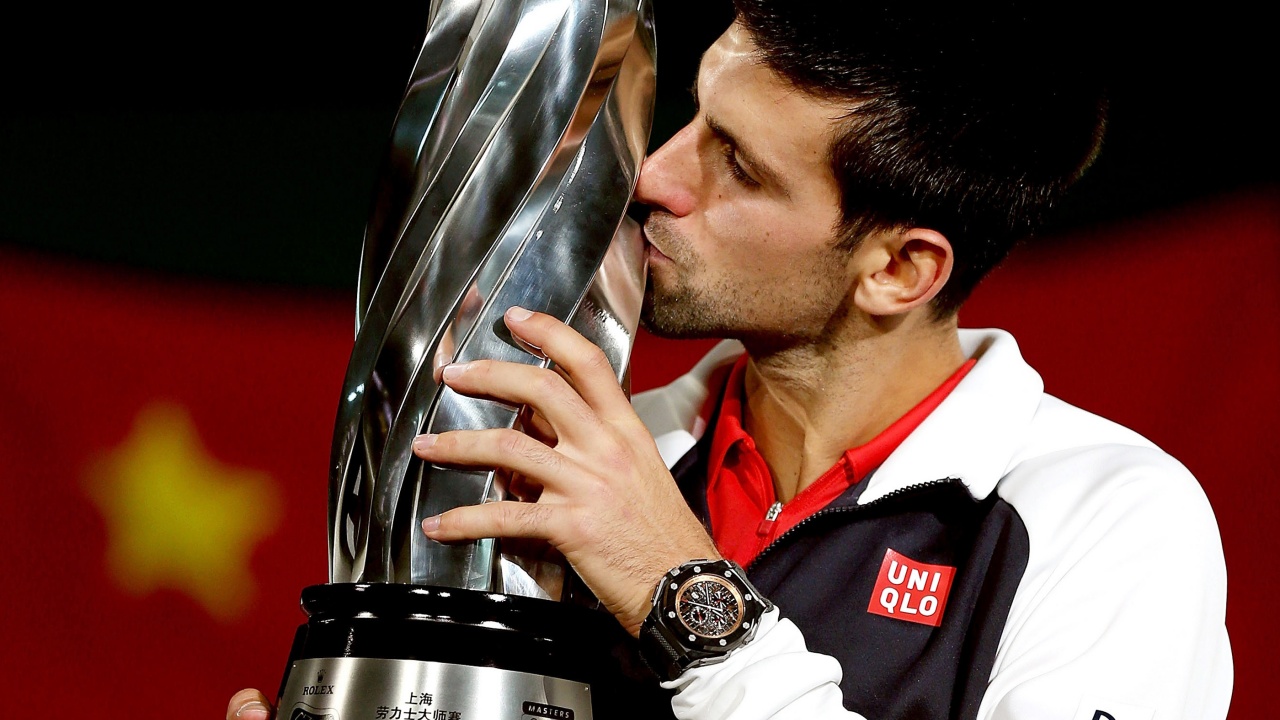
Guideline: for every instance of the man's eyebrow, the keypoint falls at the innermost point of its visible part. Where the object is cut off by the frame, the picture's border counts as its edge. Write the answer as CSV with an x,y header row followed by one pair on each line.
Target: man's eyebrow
x,y
759,166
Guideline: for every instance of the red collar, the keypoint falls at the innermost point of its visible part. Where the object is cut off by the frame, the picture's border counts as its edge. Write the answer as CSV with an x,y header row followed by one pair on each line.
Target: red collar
x,y
740,491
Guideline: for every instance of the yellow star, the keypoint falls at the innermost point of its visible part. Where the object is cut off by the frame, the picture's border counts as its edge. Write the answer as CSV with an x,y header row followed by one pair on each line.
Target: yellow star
x,y
176,517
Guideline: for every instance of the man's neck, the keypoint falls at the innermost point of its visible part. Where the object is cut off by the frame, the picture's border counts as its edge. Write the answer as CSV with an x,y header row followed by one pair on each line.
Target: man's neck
x,y
806,405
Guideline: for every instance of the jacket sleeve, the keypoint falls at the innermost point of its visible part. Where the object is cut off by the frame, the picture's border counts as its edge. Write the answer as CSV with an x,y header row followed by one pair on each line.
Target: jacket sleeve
x,y
773,676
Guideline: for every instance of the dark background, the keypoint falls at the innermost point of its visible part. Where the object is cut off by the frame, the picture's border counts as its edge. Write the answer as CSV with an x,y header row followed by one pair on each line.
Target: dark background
x,y
241,140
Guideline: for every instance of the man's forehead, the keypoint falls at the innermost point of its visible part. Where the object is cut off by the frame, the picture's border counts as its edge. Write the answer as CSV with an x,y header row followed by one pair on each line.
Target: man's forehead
x,y
736,54
735,40
742,94
733,53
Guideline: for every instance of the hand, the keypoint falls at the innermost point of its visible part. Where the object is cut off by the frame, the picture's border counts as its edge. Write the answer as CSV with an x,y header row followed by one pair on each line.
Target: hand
x,y
249,705
607,500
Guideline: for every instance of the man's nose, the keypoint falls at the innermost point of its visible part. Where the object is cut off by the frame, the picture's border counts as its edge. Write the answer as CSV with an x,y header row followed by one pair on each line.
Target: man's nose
x,y
669,176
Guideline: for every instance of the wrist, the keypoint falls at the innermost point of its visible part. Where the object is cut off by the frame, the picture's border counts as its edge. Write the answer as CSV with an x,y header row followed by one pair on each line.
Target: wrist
x,y
633,616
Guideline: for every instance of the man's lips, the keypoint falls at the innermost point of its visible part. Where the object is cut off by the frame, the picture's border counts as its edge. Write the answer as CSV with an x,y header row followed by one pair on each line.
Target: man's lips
x,y
654,252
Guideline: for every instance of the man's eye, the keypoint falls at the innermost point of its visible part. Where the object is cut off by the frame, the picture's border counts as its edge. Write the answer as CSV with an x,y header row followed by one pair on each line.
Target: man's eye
x,y
735,168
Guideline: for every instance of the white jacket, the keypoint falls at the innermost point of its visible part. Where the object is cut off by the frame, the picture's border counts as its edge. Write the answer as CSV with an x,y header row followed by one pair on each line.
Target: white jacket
x,y
1120,611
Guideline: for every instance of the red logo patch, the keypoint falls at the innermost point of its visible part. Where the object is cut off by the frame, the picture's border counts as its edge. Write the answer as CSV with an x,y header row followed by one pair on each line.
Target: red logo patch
x,y
910,590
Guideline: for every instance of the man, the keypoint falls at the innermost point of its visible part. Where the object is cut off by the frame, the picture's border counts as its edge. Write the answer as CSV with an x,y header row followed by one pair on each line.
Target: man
x,y
938,537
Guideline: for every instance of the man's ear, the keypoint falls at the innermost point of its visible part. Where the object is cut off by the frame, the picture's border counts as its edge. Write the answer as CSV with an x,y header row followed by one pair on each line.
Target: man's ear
x,y
900,270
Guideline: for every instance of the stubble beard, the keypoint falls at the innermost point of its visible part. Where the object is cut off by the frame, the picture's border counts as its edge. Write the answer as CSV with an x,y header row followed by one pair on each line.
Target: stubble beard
x,y
684,311
684,300
681,312
675,307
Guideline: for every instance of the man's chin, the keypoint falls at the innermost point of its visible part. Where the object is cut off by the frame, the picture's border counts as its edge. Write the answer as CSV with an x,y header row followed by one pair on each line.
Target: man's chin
x,y
648,319
659,330
662,320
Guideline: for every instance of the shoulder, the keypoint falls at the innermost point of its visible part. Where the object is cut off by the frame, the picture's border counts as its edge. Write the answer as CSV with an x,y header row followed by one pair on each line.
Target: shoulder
x,y
1078,473
1113,524
1122,548
1072,451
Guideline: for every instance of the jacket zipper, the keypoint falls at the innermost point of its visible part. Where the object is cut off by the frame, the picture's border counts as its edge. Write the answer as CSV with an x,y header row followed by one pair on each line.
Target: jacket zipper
x,y
765,528
772,515
769,519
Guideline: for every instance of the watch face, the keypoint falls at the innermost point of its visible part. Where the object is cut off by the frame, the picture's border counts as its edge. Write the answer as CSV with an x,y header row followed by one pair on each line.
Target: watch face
x,y
709,606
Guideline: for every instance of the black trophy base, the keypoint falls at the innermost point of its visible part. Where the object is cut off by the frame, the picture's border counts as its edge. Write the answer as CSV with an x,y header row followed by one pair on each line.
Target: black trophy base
x,y
410,652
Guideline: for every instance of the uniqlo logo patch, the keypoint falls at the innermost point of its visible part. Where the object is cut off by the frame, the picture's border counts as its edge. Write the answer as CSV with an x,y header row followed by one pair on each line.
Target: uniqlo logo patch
x,y
910,590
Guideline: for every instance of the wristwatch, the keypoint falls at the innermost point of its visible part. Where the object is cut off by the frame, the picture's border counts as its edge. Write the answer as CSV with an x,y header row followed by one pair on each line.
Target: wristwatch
x,y
702,611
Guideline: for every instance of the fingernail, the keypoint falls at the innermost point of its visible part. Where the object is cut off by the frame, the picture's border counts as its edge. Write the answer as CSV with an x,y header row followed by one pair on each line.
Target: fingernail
x,y
454,371
422,442
431,524
254,711
517,313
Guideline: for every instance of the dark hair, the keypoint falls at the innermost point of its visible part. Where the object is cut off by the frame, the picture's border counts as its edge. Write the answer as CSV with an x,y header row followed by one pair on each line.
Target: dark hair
x,y
970,121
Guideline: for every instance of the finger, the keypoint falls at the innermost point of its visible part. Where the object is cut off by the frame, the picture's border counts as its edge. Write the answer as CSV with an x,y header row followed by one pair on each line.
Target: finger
x,y
501,448
586,364
505,519
472,302
544,390
249,705
443,355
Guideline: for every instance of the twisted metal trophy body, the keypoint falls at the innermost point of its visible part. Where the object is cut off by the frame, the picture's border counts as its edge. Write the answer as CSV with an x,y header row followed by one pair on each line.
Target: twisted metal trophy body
x,y
512,161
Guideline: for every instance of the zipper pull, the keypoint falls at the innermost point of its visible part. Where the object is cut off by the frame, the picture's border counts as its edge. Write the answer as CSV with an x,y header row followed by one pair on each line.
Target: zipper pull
x,y
769,518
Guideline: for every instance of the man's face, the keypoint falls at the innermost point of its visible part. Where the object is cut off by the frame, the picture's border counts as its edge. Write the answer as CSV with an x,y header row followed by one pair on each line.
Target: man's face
x,y
744,209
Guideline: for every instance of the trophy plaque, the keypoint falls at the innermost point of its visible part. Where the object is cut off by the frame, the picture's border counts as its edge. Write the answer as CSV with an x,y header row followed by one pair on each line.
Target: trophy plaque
x,y
511,163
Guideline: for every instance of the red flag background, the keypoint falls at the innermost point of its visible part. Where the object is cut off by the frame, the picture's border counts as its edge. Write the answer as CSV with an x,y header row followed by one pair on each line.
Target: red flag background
x,y
165,444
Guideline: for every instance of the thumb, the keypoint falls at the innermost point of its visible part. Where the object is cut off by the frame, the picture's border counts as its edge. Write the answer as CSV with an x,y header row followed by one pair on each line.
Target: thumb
x,y
249,705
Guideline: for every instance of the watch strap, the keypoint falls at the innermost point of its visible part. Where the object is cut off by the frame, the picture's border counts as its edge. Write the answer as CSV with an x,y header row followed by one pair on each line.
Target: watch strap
x,y
666,659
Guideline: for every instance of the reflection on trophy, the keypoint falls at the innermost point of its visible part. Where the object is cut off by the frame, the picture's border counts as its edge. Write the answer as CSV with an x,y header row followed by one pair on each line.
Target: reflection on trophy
x,y
511,164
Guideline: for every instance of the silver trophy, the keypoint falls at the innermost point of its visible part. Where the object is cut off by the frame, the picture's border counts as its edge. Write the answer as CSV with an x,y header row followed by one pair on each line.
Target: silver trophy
x,y
511,164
